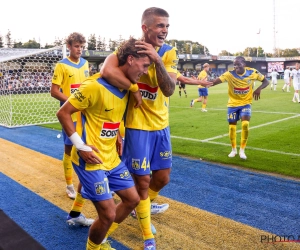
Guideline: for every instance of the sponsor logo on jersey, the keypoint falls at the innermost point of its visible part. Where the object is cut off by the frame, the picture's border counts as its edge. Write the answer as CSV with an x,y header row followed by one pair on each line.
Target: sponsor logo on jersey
x,y
74,87
241,91
147,92
100,188
86,73
79,96
166,154
54,77
135,164
125,174
109,129
246,110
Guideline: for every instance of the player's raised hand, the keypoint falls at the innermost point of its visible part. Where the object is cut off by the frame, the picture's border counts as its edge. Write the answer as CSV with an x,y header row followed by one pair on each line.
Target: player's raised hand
x,y
148,49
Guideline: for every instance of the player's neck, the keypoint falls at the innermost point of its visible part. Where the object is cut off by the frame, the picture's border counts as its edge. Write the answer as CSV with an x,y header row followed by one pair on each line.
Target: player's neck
x,y
74,59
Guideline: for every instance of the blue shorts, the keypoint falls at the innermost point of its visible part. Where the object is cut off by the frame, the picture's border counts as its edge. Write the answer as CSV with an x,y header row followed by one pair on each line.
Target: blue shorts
x,y
145,151
203,91
97,184
235,113
67,141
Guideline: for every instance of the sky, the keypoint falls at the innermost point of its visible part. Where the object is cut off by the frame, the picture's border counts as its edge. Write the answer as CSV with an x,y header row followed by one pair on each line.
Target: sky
x,y
230,25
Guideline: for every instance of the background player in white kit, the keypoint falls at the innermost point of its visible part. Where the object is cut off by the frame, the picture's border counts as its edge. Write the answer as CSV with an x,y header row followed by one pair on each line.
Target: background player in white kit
x,y
274,75
287,79
296,82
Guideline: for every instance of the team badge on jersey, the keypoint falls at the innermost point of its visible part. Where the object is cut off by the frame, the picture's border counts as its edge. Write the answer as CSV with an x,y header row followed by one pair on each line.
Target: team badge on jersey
x,y
109,129
74,87
136,164
86,73
100,188
147,92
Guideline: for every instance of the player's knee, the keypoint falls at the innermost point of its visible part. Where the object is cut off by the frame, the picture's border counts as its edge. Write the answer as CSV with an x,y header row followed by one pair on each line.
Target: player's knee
x,y
245,125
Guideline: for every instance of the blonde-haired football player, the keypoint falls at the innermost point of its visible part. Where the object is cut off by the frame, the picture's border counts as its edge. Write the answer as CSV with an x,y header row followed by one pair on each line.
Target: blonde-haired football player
x,y
203,91
68,74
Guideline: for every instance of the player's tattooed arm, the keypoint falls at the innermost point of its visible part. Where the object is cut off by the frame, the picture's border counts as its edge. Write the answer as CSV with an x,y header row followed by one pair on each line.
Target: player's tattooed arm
x,y
165,81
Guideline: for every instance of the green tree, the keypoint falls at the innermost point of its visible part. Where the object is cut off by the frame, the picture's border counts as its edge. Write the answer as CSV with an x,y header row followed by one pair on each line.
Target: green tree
x,y
225,53
251,52
120,41
9,42
92,42
188,47
48,46
32,44
289,52
18,44
101,44
112,45
1,41
59,41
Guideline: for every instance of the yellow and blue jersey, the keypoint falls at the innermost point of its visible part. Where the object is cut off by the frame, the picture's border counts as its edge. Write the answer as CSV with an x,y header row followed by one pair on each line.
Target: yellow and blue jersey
x,y
240,87
69,75
202,76
102,108
153,113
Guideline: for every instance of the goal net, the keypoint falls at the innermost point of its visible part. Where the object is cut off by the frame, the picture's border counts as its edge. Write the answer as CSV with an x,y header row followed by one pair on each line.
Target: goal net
x,y
25,81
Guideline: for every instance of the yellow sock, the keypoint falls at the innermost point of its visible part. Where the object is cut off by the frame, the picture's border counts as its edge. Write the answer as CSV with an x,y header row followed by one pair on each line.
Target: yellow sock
x,y
68,168
232,135
152,194
112,228
203,106
144,217
245,133
92,246
196,100
78,203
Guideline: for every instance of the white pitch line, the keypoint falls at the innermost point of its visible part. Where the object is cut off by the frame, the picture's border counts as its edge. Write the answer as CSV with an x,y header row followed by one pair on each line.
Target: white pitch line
x,y
229,145
258,126
209,140
265,112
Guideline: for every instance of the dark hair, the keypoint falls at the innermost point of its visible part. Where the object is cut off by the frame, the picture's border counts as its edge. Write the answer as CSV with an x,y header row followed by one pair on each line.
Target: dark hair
x,y
128,48
75,37
241,58
153,11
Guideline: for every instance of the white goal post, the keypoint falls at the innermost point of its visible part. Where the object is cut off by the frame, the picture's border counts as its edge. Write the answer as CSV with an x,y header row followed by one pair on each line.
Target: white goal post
x,y
25,82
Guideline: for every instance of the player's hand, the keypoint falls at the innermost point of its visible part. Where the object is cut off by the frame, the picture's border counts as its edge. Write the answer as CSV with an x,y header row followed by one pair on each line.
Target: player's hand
x,y
256,94
90,157
205,83
138,98
119,144
149,50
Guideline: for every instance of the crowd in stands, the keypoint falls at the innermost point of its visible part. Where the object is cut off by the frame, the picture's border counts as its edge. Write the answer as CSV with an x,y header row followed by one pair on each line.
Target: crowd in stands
x,y
18,81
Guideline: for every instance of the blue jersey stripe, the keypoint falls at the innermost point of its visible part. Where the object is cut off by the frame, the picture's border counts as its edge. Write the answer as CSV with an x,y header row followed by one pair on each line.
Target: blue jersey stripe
x,y
77,66
163,49
248,73
112,88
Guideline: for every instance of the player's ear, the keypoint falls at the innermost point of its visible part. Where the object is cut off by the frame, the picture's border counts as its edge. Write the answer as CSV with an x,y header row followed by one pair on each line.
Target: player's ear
x,y
144,28
130,59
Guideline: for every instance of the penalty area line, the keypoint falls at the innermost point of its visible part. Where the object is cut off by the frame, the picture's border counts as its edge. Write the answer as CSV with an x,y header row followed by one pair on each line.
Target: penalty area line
x,y
229,145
